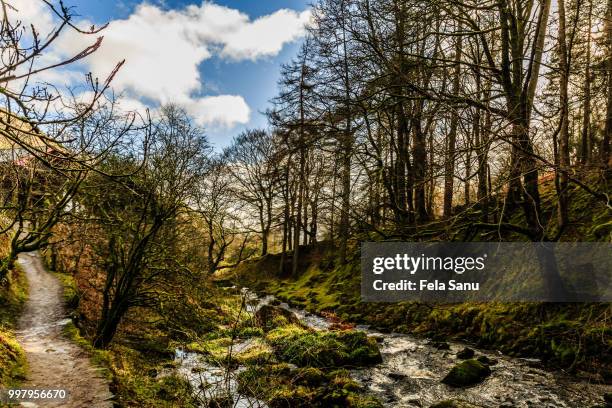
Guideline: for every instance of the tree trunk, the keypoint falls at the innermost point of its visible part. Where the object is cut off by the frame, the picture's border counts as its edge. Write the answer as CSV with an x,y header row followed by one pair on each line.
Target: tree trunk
x,y
347,147
564,155
606,157
585,146
301,181
449,162
107,328
419,155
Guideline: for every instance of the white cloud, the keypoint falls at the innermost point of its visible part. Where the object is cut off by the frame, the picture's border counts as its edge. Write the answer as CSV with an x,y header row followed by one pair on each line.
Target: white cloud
x,y
164,49
265,36
222,110
32,12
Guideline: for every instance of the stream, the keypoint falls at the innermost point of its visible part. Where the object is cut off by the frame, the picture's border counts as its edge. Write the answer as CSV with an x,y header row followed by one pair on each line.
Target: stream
x,y
411,372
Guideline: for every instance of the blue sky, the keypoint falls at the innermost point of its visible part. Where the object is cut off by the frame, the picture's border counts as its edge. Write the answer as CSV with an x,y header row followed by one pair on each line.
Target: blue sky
x,y
252,78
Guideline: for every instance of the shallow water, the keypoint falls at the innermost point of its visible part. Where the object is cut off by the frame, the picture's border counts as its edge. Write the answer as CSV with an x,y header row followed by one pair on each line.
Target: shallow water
x,y
209,381
412,369
411,372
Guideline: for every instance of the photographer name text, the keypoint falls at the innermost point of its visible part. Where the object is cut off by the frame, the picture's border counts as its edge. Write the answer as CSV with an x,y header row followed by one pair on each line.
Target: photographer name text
x,y
413,264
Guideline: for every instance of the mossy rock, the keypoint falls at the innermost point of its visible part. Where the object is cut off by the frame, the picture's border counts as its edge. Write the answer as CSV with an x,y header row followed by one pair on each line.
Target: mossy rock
x,y
269,317
466,373
173,388
306,348
258,353
310,376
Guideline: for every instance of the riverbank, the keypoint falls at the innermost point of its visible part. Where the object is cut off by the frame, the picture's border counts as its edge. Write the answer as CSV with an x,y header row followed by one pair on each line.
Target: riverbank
x,y
267,356
246,363
573,337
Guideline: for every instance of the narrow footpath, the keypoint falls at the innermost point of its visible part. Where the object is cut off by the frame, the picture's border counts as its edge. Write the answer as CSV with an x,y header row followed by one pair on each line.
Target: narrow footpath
x,y
54,361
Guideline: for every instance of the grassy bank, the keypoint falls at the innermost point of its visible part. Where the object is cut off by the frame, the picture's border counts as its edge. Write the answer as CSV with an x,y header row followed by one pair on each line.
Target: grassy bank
x,y
13,364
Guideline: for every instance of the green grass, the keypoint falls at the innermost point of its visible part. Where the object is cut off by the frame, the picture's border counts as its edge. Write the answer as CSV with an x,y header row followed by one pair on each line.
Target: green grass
x,y
137,383
13,364
13,297
70,292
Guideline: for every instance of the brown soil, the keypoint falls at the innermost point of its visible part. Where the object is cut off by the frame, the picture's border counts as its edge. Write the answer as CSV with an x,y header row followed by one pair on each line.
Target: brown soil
x,y
54,361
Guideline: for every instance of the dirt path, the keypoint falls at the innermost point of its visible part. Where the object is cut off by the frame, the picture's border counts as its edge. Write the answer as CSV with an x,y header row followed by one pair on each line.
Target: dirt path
x,y
54,361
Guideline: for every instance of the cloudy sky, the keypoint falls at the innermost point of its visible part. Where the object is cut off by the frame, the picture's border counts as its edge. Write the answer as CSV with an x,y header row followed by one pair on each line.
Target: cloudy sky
x,y
220,60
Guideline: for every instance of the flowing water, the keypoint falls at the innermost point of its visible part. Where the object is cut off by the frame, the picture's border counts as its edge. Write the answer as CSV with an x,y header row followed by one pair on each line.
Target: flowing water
x,y
411,372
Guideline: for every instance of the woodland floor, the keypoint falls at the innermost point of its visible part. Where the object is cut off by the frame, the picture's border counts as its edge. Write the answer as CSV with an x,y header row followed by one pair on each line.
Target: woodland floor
x,y
54,361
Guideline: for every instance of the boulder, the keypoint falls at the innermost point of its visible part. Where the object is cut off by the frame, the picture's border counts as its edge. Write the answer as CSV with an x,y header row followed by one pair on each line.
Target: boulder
x,y
486,360
466,354
466,373
440,345
269,317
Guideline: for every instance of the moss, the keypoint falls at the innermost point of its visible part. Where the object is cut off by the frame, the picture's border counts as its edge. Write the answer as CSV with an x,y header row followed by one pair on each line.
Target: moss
x,y
13,364
303,347
279,386
136,382
310,376
248,332
258,352
269,317
214,348
218,351
71,294
466,373
174,389
13,295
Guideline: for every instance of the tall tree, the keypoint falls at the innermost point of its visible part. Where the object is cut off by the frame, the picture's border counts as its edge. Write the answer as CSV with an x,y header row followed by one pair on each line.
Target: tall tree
x,y
449,160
